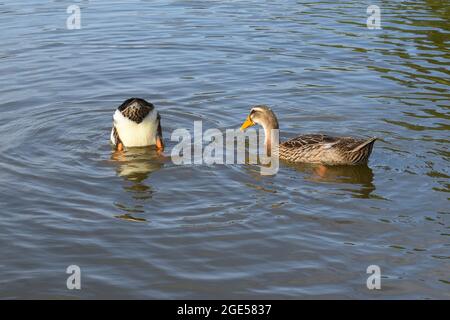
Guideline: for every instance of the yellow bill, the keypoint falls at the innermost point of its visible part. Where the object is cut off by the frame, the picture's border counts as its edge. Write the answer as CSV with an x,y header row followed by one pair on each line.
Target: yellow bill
x,y
247,123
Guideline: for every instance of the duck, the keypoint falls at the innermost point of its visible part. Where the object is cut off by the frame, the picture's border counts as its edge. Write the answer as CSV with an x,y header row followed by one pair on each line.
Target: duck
x,y
136,123
311,148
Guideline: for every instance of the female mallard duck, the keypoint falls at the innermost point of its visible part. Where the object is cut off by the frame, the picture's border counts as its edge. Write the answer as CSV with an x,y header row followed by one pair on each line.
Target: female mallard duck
x,y
311,148
136,124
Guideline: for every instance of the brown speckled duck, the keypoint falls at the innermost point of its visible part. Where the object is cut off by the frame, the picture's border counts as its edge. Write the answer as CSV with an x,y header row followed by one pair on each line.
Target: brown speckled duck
x,y
311,148
136,124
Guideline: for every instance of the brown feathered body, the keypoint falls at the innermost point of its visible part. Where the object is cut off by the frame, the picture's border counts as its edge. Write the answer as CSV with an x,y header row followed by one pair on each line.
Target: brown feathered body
x,y
325,149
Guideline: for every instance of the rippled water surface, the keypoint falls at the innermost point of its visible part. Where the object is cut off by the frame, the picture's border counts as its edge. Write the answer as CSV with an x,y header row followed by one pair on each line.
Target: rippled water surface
x,y
140,226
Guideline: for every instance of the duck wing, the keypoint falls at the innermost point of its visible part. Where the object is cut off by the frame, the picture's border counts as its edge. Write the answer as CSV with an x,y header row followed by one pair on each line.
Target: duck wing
x,y
308,140
326,149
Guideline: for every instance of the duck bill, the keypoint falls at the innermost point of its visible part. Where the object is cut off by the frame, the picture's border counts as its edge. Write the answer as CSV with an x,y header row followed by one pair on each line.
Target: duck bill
x,y
247,123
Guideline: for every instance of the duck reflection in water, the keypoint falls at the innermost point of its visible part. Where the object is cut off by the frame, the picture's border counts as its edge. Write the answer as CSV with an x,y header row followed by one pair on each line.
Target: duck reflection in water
x,y
135,165
360,176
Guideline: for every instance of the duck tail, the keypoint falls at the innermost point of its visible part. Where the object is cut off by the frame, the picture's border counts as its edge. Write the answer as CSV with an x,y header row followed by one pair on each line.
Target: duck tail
x,y
365,144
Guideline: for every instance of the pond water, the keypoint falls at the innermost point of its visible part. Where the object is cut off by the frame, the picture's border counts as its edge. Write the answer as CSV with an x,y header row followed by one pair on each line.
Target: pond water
x,y
140,226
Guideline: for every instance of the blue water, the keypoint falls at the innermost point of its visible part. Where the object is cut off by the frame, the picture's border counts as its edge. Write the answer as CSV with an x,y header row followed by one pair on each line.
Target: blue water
x,y
142,227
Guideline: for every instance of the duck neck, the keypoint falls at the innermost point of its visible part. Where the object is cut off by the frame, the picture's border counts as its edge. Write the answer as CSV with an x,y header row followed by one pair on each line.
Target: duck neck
x,y
268,126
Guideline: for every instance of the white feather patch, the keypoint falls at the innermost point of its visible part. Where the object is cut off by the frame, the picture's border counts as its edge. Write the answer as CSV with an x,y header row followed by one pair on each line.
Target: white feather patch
x,y
329,145
133,134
